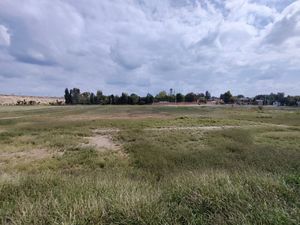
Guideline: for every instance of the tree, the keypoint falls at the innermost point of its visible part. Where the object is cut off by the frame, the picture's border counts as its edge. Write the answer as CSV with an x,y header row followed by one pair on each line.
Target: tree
x,y
207,95
149,99
75,95
280,98
111,99
133,99
227,97
68,97
117,100
162,96
179,97
124,98
93,99
85,98
99,97
190,97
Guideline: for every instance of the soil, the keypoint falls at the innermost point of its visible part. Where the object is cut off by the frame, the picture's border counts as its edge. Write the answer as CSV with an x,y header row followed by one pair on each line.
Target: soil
x,y
103,143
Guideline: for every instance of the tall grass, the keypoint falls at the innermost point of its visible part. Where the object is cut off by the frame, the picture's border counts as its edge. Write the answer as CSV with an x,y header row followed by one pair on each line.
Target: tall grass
x,y
248,175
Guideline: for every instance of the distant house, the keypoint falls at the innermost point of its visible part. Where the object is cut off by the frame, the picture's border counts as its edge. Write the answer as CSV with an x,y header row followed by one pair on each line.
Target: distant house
x,y
298,103
244,101
259,102
215,101
276,103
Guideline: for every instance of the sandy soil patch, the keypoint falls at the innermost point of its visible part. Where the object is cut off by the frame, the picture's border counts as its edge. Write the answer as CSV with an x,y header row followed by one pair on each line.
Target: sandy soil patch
x,y
103,142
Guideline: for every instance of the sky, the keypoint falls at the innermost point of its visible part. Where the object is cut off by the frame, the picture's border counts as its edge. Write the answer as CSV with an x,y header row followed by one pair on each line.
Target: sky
x,y
141,46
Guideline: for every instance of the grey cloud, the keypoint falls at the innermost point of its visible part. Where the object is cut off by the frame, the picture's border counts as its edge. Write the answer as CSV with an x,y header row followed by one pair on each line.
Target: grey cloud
x,y
144,46
286,27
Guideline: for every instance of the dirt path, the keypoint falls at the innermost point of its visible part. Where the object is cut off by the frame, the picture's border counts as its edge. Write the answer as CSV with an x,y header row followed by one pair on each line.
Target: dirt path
x,y
211,128
204,128
12,117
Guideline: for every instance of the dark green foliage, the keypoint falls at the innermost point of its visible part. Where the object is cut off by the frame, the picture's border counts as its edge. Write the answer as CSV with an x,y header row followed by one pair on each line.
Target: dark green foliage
x,y
149,99
133,99
179,97
75,97
68,97
227,97
124,99
190,97
162,96
207,95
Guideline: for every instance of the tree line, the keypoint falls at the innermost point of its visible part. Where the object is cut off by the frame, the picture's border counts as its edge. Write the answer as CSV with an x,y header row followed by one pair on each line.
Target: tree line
x,y
74,97
278,99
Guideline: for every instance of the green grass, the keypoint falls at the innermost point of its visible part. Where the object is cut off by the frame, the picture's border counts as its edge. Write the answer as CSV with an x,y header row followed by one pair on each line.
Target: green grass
x,y
247,174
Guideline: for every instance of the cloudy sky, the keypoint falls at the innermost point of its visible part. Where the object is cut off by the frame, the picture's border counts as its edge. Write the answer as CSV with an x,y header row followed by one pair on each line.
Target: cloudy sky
x,y
247,46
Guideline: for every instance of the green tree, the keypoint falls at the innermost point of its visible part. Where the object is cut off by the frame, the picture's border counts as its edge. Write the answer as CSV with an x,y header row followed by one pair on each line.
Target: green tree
x,y
162,96
133,99
85,98
93,98
111,99
75,95
190,97
207,95
124,98
149,99
179,97
227,97
68,97
99,97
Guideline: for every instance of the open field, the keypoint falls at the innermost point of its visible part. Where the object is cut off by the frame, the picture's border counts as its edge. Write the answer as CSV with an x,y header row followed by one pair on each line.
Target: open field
x,y
149,165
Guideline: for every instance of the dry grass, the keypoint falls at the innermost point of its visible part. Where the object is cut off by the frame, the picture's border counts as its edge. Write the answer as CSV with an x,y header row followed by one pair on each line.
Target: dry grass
x,y
180,165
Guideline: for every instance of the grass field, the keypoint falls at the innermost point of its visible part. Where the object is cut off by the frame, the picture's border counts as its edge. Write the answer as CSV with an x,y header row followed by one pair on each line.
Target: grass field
x,y
149,165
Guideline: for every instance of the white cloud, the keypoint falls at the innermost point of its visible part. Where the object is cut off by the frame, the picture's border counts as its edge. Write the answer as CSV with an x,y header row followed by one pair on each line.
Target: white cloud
x,y
141,45
4,36
287,26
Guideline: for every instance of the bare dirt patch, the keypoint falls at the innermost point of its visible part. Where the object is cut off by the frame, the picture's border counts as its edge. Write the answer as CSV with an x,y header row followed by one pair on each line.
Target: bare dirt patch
x,y
103,142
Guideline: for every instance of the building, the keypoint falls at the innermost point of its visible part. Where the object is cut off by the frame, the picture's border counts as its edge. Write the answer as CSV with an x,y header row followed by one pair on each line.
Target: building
x,y
244,101
259,102
276,103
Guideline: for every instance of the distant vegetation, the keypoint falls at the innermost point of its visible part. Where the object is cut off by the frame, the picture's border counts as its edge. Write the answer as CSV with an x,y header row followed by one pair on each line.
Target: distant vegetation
x,y
74,97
